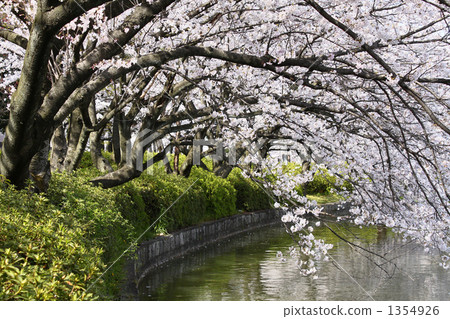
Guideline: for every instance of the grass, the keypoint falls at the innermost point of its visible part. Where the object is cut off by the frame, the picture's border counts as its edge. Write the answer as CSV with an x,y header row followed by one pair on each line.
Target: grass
x,y
325,198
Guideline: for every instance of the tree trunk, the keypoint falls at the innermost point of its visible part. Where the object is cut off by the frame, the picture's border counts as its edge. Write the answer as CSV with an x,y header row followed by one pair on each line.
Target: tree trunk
x,y
77,154
124,139
58,150
116,139
226,166
40,168
96,146
116,178
127,172
134,166
167,166
186,167
73,138
223,170
26,133
176,160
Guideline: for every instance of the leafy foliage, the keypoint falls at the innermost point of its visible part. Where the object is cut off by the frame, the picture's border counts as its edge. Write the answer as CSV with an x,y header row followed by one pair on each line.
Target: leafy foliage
x,y
46,253
205,197
160,192
325,183
220,193
249,195
54,246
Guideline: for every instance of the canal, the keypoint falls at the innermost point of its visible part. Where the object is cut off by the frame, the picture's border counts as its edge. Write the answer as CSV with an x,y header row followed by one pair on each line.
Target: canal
x,y
247,267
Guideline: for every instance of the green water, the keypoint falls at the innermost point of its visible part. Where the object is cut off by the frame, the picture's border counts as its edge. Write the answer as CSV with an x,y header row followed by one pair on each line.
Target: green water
x,y
247,268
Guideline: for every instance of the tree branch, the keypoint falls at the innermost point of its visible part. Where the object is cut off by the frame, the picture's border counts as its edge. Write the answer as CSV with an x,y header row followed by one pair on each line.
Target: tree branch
x,y
14,38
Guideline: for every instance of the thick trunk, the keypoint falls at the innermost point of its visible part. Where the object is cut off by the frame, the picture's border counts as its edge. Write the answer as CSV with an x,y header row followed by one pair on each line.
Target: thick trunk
x,y
226,166
96,146
116,178
176,160
26,133
109,147
223,170
186,167
135,165
167,166
127,172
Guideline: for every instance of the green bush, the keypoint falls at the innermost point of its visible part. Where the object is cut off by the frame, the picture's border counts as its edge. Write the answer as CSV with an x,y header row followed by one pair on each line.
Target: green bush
x,y
100,211
53,247
321,184
45,252
130,202
325,183
173,196
221,196
86,160
249,195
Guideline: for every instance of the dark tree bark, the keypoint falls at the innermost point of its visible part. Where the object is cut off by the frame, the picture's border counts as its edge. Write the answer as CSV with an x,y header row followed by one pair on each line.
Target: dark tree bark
x,y
186,167
115,140
176,160
58,150
40,168
96,147
76,135
37,109
26,134
96,143
124,138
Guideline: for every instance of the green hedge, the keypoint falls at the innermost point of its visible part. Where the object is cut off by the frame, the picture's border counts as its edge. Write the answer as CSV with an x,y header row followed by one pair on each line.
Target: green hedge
x,y
172,198
249,195
201,197
220,193
325,183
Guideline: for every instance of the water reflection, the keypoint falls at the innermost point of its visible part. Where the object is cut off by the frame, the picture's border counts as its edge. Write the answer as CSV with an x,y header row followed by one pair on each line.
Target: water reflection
x,y
246,268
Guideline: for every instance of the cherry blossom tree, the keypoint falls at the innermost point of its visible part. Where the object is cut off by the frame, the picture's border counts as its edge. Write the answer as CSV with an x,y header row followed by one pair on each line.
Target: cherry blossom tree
x,y
363,85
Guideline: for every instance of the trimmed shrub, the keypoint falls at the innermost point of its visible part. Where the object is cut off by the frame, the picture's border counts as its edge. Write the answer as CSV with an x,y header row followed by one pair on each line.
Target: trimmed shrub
x,y
173,196
249,195
221,196
325,183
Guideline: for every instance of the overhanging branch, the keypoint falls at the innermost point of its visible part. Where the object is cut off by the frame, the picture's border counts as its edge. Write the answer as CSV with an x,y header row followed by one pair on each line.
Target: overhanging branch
x,y
14,38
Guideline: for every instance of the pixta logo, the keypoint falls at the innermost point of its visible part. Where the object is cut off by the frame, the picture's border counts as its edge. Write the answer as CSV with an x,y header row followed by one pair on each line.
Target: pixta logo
x,y
146,138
